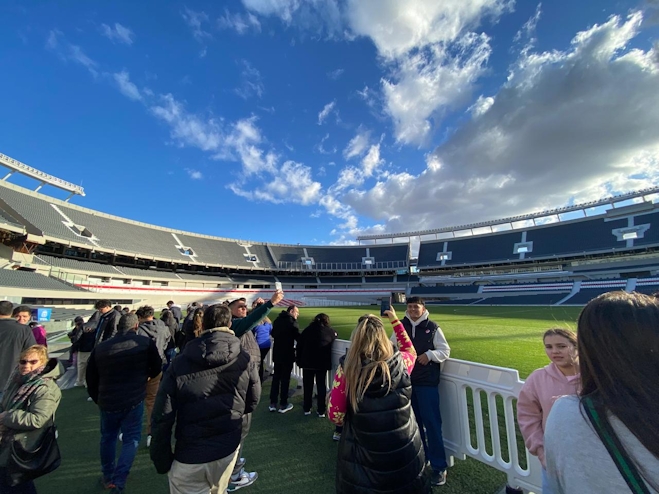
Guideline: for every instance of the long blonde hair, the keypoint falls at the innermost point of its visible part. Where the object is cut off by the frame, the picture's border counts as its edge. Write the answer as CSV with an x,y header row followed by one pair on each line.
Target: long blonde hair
x,y
369,351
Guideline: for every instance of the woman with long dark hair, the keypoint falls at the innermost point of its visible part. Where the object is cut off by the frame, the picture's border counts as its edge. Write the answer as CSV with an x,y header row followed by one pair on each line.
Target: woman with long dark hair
x,y
380,449
607,438
314,354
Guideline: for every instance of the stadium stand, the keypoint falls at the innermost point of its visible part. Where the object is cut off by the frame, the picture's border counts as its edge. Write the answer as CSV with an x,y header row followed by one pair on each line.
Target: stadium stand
x,y
341,280
264,256
333,255
407,278
146,273
298,280
389,253
76,265
204,278
287,254
379,279
537,299
651,235
32,280
441,290
253,279
592,235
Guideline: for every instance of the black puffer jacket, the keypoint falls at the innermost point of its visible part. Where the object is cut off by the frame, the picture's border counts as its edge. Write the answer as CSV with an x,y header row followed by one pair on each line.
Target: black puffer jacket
x,y
380,449
118,369
314,348
285,332
205,391
108,325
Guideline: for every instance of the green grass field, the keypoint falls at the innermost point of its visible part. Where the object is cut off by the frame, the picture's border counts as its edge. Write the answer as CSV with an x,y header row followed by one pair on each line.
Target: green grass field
x,y
294,454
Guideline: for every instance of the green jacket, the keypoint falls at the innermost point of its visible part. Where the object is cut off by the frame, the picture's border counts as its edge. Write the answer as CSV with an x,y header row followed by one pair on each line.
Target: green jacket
x,y
28,423
242,325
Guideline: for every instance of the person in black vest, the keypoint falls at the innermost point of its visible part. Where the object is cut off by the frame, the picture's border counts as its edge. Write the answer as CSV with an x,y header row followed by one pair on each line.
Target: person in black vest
x,y
205,393
314,353
285,332
432,349
117,373
380,449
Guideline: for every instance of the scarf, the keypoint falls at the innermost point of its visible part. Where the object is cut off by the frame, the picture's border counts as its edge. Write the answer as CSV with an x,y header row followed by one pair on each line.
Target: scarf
x,y
28,383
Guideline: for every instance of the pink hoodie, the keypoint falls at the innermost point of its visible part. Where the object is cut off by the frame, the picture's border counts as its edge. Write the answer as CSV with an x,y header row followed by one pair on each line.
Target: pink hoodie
x,y
536,398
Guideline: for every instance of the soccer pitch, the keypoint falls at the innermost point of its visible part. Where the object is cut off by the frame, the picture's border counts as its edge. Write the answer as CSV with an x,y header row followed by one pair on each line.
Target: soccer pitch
x,y
295,454
503,336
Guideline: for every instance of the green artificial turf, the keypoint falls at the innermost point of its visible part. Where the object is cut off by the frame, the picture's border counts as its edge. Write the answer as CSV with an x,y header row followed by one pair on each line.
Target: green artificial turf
x,y
295,454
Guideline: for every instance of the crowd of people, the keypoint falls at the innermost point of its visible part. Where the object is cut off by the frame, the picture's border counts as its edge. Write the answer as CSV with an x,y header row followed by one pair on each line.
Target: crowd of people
x,y
589,415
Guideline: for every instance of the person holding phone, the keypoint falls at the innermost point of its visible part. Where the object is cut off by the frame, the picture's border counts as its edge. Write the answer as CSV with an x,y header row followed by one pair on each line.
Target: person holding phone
x,y
432,349
543,387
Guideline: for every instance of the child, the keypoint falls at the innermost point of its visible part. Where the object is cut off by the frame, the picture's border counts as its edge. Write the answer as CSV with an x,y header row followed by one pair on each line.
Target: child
x,y
543,387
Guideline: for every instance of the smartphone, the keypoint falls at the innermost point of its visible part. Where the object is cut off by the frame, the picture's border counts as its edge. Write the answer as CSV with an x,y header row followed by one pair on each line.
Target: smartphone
x,y
278,286
385,304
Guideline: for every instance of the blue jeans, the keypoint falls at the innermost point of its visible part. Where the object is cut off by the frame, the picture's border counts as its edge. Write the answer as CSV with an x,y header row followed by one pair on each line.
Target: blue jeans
x,y
129,422
425,403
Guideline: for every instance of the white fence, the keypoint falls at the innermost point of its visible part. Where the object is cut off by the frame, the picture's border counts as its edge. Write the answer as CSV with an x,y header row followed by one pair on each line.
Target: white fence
x,y
480,392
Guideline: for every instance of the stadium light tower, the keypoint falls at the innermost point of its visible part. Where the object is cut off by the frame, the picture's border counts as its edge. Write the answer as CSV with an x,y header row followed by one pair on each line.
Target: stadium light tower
x,y
43,178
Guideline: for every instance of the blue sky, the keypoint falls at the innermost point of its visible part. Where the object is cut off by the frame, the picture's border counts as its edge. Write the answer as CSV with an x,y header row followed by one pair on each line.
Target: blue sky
x,y
309,121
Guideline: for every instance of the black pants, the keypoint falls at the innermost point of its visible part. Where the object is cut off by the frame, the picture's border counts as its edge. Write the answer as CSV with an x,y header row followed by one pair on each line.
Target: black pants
x,y
26,488
281,381
308,376
264,353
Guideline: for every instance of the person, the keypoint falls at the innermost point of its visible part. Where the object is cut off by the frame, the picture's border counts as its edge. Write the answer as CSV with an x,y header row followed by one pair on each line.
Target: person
x,y
618,341
108,320
262,335
86,344
560,377
204,393
160,335
432,349
242,325
187,331
380,449
74,337
14,339
314,351
168,319
22,314
117,373
285,332
175,309
27,408
39,333
192,326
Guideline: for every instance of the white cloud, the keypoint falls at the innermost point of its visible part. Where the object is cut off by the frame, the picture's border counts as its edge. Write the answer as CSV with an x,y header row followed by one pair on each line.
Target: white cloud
x,y
358,144
118,33
196,21
194,174
559,130
481,105
321,146
187,128
317,16
251,83
325,112
396,27
429,82
372,161
126,87
69,52
351,176
528,29
335,74
243,143
239,22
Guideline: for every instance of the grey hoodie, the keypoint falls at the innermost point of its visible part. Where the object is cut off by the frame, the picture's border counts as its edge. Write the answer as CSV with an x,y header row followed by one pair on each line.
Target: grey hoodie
x,y
158,332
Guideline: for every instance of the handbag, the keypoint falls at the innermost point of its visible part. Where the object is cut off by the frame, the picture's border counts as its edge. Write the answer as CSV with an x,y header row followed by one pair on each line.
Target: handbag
x,y
25,465
613,445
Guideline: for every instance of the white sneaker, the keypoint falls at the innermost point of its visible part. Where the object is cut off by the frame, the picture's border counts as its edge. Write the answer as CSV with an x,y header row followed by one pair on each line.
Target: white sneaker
x,y
307,413
321,415
148,441
287,408
121,437
245,479
89,399
272,408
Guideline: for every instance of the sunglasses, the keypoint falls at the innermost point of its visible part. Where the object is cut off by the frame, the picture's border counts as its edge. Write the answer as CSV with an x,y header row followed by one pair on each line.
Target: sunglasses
x,y
31,362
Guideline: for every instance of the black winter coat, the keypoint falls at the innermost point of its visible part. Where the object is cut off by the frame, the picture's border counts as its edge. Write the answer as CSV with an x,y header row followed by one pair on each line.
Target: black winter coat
x,y
285,332
314,347
118,369
206,391
380,449
109,324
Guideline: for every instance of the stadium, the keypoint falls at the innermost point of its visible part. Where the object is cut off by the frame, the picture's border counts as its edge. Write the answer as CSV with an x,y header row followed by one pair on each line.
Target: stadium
x,y
514,276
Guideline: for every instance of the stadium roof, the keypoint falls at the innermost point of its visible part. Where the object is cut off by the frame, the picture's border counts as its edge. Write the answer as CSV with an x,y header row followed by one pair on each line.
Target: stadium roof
x,y
44,178
512,219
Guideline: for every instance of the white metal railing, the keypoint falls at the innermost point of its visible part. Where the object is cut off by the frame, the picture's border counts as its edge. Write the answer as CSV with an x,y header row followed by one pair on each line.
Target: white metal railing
x,y
462,382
